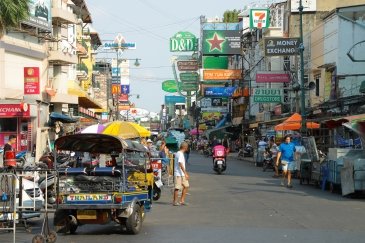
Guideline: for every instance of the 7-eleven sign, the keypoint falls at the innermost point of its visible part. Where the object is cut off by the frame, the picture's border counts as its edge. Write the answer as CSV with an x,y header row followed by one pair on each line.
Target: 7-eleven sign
x,y
259,18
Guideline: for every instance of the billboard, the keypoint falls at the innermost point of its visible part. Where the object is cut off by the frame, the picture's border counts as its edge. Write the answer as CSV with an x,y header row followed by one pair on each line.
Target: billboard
x,y
40,14
281,46
183,41
222,74
221,42
262,95
211,62
272,77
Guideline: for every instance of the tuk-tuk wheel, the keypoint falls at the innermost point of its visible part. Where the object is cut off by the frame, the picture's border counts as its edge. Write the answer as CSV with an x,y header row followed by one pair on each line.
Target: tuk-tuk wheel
x,y
38,239
133,224
52,237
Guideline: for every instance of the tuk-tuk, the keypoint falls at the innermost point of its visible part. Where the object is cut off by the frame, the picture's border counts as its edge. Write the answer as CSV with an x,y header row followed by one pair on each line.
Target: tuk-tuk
x,y
115,187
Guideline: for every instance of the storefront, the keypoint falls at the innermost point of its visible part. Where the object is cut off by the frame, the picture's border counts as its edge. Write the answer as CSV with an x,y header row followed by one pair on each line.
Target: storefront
x,y
15,119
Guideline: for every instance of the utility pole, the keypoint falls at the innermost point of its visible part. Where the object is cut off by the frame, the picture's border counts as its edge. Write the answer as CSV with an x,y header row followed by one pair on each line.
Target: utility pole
x,y
301,50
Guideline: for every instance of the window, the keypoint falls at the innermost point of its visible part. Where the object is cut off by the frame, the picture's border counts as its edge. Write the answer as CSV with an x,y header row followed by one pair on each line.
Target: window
x,y
8,124
317,78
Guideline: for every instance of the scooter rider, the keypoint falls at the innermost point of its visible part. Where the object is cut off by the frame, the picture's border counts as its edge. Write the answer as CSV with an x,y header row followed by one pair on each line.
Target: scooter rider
x,y
218,149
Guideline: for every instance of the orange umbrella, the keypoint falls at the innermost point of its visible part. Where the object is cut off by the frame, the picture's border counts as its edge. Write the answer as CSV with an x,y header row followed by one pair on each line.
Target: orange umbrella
x,y
295,123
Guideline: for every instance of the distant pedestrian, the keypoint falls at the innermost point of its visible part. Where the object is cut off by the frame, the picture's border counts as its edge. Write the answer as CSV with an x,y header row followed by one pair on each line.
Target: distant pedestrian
x,y
181,176
286,152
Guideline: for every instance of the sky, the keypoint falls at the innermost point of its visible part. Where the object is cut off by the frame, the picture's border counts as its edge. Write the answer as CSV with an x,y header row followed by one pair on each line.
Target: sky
x,y
150,23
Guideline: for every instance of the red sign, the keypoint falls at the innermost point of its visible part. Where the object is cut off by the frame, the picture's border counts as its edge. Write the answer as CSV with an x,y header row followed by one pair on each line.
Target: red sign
x,y
13,110
123,97
272,77
31,80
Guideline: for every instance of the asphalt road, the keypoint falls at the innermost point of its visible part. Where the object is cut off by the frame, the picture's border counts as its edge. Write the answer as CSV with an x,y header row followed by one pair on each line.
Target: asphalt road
x,y
242,205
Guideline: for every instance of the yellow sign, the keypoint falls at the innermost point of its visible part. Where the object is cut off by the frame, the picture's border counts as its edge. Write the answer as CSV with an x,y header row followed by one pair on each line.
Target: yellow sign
x,y
86,214
115,89
222,74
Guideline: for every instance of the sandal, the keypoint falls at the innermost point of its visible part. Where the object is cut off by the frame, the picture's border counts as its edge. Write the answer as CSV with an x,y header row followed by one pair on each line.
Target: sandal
x,y
184,204
176,204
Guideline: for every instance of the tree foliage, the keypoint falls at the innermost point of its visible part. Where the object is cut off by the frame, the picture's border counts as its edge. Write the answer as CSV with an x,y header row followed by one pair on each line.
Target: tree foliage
x,y
12,12
231,16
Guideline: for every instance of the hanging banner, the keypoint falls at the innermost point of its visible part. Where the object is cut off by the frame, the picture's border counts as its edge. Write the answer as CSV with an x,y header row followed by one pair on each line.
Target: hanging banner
x,y
259,18
221,42
31,80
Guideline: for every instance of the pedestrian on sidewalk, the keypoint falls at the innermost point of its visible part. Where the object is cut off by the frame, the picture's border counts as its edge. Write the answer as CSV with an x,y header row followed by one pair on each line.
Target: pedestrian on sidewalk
x,y
181,176
286,152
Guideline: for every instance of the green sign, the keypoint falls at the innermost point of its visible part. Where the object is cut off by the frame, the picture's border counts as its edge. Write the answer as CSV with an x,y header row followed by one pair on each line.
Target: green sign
x,y
183,42
188,86
215,62
169,86
221,42
267,95
189,77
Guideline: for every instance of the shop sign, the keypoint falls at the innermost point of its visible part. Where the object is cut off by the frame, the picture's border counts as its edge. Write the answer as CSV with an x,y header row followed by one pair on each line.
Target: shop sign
x,y
208,116
123,97
170,99
222,74
191,65
219,91
119,43
205,102
183,42
125,88
31,80
259,18
281,46
13,110
189,77
124,107
169,86
40,14
217,102
115,89
221,42
188,86
222,109
261,95
272,77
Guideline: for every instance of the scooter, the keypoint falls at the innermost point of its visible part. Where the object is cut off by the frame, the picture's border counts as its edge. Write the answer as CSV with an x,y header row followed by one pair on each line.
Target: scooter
x,y
219,159
48,183
157,184
207,151
47,160
268,161
20,157
247,151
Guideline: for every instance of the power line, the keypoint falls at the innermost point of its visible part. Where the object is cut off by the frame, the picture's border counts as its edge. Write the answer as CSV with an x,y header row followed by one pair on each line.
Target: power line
x,y
165,14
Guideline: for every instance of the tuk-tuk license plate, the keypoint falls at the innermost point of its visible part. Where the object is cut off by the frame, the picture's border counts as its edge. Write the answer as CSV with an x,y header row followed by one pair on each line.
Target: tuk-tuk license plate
x,y
86,214
219,162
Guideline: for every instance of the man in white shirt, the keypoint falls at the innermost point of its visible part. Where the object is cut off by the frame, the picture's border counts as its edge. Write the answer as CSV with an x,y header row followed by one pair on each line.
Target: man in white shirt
x,y
181,176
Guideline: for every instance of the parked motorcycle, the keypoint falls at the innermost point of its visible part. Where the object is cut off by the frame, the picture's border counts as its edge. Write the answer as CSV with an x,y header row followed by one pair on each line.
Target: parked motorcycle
x,y
157,185
219,159
268,161
207,151
47,160
49,184
20,157
247,151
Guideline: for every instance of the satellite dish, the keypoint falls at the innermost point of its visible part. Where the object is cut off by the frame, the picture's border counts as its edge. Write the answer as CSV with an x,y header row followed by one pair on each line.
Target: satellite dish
x,y
312,85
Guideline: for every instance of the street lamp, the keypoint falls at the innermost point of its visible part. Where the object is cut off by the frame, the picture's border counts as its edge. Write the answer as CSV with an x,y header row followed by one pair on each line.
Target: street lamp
x,y
301,51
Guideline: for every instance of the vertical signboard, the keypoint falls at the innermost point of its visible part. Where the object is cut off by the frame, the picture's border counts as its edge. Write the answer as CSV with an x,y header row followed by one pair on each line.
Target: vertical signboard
x,y
31,80
259,18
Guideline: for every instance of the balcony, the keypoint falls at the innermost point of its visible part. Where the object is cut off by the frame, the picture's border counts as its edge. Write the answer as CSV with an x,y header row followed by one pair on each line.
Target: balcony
x,y
82,49
82,71
62,13
61,53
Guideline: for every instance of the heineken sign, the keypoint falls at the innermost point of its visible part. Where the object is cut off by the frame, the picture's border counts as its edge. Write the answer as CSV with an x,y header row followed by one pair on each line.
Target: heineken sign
x,y
183,42
261,95
169,86
221,42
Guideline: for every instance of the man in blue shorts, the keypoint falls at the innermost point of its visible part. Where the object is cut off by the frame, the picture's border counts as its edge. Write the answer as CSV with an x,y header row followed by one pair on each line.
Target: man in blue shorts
x,y
286,152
